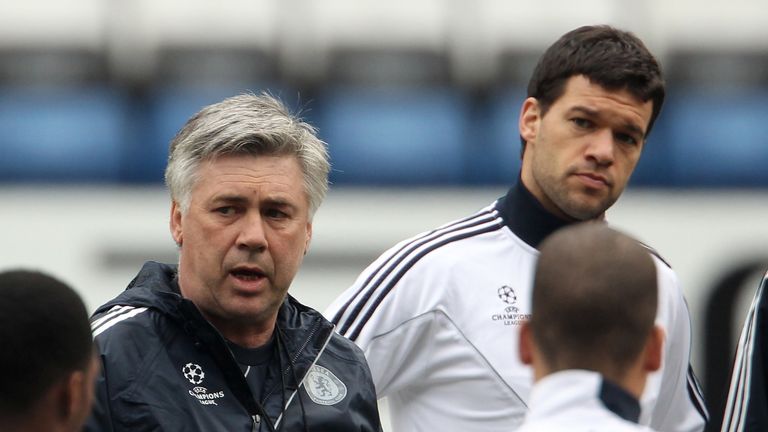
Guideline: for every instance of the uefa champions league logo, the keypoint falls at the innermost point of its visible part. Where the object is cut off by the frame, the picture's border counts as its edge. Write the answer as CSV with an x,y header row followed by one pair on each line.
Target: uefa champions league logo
x,y
194,373
511,315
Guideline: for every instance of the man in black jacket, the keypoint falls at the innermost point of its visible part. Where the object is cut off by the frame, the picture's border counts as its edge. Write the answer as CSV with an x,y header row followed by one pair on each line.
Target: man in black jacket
x,y
746,408
216,343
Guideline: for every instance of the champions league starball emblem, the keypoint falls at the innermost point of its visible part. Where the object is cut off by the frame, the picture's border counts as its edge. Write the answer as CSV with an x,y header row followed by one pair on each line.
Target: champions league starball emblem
x,y
508,296
194,373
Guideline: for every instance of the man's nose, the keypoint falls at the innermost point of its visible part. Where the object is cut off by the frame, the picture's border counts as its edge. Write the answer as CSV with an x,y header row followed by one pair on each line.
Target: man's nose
x,y
252,235
601,147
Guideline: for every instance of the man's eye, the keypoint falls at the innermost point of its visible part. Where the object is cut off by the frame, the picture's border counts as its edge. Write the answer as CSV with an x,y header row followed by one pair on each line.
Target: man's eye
x,y
226,211
276,214
582,122
626,138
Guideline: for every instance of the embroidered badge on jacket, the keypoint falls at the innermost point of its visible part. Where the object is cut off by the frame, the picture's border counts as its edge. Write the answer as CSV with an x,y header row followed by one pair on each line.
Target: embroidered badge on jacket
x,y
323,387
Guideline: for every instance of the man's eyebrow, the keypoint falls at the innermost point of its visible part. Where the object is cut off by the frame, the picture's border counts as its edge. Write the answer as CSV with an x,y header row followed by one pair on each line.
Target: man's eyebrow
x,y
230,199
275,201
279,202
585,110
630,126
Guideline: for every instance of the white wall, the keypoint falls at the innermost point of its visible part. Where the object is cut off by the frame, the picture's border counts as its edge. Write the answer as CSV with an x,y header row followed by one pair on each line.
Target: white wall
x,y
96,238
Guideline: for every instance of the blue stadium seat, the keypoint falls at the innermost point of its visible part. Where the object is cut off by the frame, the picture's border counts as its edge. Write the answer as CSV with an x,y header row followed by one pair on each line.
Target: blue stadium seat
x,y
61,134
395,135
494,157
656,168
718,138
165,112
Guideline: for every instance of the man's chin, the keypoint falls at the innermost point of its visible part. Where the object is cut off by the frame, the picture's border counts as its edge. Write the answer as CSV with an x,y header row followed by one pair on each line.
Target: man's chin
x,y
586,211
249,313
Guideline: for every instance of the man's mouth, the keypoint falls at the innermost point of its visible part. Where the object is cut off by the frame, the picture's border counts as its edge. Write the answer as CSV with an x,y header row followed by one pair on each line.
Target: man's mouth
x,y
594,179
247,274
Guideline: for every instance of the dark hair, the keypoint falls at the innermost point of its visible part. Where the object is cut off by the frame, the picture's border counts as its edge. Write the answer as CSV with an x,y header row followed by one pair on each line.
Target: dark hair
x,y
614,59
594,299
45,335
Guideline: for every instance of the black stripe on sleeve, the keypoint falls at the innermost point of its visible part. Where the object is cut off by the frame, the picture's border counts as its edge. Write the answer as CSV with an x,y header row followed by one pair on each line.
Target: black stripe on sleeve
x,y
366,290
356,332
696,395
737,402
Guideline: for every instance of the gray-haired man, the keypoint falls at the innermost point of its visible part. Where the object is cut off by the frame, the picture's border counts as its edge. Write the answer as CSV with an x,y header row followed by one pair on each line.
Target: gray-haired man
x,y
216,343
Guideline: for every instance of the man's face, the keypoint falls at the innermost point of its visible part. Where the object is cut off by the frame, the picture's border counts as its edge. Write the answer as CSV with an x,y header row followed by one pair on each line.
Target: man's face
x,y
580,154
243,238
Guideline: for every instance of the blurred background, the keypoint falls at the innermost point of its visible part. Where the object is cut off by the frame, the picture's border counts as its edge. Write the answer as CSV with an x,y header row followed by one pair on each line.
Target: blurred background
x,y
418,101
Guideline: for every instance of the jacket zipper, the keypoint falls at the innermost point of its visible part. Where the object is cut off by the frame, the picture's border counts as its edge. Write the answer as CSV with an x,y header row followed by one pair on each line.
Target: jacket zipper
x,y
256,422
314,362
295,357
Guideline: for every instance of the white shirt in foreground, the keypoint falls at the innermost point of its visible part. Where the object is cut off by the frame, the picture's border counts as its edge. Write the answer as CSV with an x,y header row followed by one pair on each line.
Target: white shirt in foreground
x,y
580,401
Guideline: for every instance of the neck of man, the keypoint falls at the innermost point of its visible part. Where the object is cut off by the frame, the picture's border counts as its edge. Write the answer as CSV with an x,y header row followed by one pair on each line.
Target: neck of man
x,y
248,335
632,380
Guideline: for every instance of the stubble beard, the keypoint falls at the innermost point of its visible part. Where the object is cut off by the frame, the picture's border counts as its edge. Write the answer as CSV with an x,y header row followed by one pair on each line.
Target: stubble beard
x,y
573,202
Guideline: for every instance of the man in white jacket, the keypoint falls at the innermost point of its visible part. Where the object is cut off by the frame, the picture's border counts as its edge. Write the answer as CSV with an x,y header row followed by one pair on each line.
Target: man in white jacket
x,y
591,339
438,314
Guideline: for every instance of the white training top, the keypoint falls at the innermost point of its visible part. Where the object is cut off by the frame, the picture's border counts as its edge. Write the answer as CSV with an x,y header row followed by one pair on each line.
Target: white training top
x,y
438,319
580,401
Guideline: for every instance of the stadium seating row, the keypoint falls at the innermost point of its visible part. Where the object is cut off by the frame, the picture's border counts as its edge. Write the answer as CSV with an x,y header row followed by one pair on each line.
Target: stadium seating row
x,y
377,136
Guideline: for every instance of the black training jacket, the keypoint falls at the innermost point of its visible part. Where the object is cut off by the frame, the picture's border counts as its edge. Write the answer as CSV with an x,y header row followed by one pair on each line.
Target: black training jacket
x,y
165,368
746,409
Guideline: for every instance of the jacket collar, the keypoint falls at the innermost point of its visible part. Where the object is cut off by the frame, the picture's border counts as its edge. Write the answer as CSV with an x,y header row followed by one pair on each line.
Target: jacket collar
x,y
619,401
155,287
526,217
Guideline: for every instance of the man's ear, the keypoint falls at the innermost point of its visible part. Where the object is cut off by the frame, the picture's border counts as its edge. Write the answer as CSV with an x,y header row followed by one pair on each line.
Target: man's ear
x,y
74,395
654,349
175,223
69,396
525,348
530,119
309,237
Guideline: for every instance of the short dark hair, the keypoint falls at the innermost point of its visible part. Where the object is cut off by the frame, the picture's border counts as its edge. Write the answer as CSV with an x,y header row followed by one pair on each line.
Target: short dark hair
x,y
613,58
594,299
45,334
